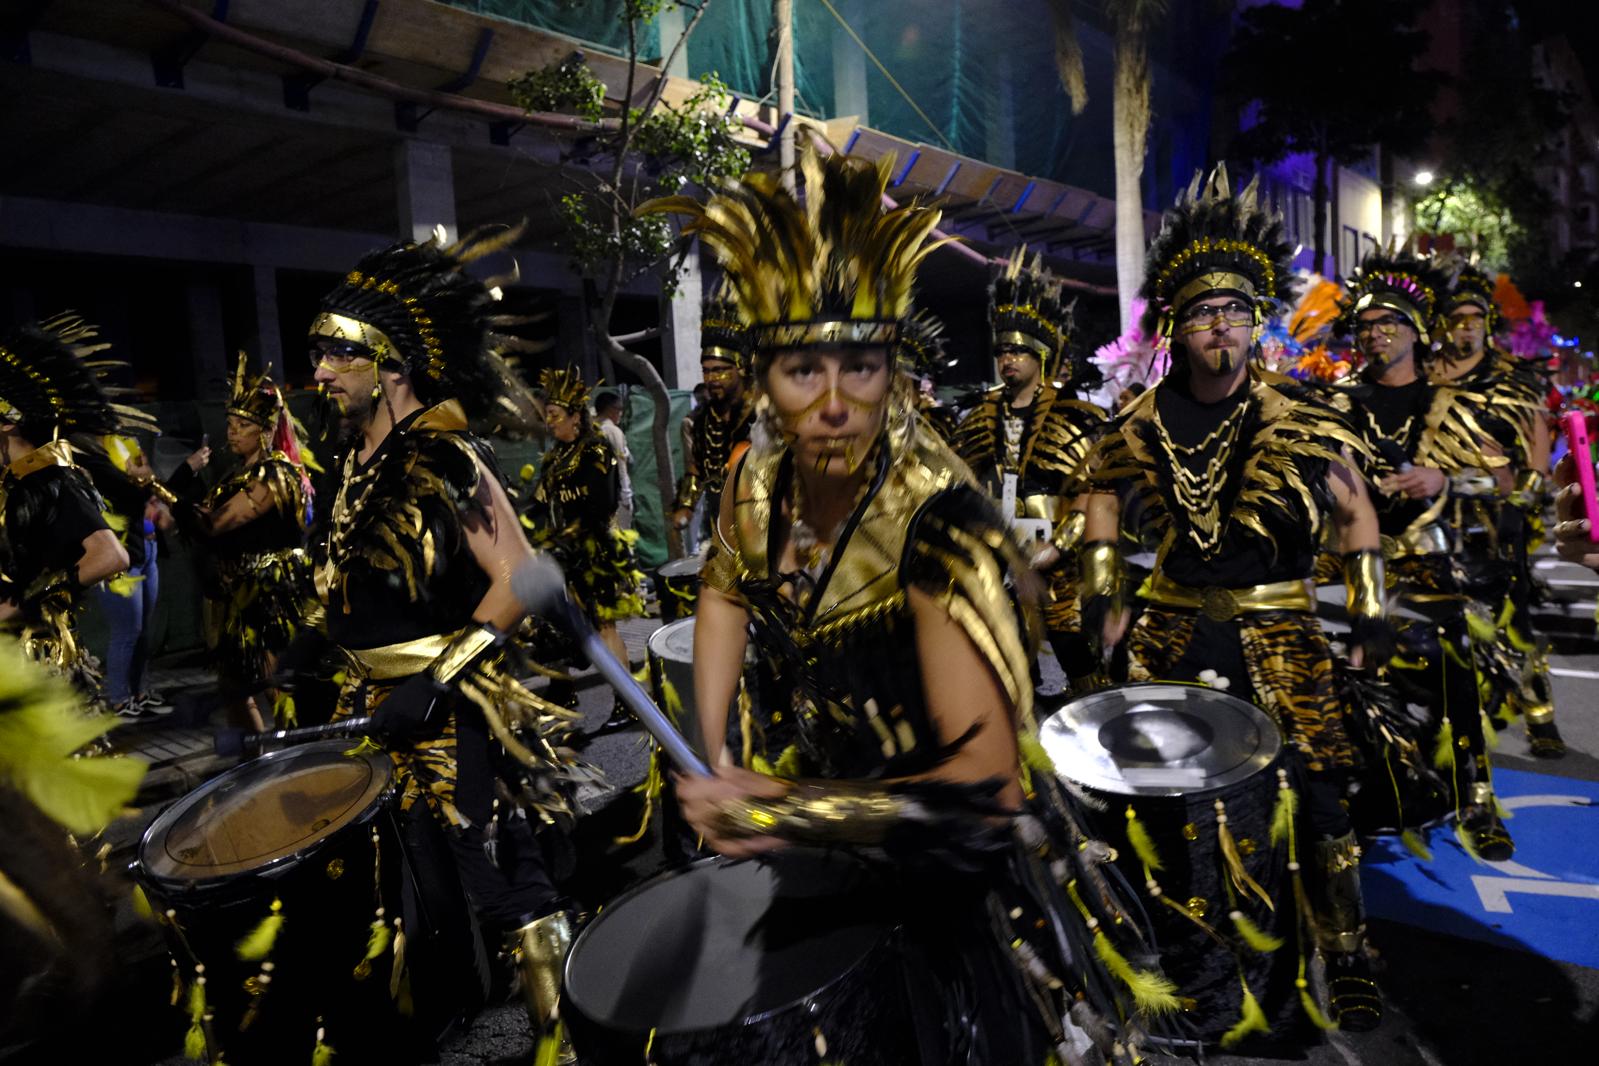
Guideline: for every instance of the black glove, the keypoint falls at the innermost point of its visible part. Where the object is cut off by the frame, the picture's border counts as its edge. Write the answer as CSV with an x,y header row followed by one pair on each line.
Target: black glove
x,y
299,661
415,708
1377,638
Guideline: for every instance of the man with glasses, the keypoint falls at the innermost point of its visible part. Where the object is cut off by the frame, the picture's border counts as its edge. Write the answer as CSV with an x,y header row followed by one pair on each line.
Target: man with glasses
x,y
1241,474
1431,446
719,425
1025,441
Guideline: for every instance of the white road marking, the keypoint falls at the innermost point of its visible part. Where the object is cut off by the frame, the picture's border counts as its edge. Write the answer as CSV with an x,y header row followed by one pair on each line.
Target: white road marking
x,y
1585,675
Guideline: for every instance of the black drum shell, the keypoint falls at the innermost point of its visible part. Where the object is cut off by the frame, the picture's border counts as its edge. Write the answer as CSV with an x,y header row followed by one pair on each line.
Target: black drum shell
x,y
862,1010
677,587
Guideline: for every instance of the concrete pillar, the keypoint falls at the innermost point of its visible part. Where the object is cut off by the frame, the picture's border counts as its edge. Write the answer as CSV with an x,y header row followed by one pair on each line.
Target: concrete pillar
x,y
849,66
268,337
426,188
670,24
208,354
680,328
1000,149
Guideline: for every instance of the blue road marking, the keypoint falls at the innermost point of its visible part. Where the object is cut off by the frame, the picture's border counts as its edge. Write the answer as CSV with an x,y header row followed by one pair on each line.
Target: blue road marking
x,y
1545,900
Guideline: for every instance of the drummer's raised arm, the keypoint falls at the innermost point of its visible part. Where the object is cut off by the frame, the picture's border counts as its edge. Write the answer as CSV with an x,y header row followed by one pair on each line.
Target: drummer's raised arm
x,y
494,537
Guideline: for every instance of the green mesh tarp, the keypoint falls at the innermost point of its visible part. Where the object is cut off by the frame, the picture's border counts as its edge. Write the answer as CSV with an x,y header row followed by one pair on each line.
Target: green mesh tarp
x,y
637,418
981,74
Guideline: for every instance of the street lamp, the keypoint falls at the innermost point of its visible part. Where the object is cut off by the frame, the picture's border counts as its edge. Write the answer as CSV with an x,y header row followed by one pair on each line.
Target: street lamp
x,y
1423,178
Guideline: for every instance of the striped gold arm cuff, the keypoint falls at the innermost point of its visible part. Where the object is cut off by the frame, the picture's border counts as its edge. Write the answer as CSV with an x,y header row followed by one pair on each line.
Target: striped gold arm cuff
x,y
1365,594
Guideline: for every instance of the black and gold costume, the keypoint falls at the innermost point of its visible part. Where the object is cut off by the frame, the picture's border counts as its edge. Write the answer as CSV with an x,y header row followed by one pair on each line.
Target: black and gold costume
x,y
479,759
921,353
1443,427
1041,445
572,513
48,503
1001,937
713,433
1497,532
1238,491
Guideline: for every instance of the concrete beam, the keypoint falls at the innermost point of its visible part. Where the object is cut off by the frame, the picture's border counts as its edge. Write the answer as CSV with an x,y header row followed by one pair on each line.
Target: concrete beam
x,y
425,188
680,328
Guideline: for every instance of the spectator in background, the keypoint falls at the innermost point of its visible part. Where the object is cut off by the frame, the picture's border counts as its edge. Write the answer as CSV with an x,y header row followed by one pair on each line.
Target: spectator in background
x,y
699,397
608,406
1571,527
1128,395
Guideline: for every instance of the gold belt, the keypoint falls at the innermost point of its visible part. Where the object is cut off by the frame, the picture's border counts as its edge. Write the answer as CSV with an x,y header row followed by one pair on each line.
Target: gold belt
x,y
1039,505
1224,604
393,661
1430,539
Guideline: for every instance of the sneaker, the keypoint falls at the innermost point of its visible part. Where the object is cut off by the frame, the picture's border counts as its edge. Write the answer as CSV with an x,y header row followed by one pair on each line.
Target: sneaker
x,y
128,708
152,702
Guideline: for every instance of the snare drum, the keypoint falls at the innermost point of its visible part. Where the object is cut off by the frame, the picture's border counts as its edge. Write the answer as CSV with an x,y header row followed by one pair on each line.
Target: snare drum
x,y
734,963
297,828
1169,753
677,586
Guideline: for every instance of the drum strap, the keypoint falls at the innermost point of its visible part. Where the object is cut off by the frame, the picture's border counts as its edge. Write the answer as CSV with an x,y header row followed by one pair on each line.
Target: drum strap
x,y
393,661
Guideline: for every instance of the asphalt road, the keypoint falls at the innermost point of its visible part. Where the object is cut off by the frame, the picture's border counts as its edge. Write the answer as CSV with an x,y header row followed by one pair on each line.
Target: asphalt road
x,y
1471,977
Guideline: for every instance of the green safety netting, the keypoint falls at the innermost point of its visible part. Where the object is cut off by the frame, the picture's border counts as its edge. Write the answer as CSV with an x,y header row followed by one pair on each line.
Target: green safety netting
x,y
978,77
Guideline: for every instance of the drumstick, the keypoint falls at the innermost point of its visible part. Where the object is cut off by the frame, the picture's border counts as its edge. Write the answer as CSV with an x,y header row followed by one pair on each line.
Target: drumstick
x,y
236,742
540,586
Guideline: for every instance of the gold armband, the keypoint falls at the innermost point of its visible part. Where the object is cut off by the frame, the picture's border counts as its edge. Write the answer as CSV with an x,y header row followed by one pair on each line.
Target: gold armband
x,y
1069,531
1100,565
1531,487
688,491
1366,594
1473,484
464,649
831,812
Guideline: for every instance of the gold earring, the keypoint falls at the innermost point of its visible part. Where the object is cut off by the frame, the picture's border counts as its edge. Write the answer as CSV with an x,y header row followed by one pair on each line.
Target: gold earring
x,y
377,382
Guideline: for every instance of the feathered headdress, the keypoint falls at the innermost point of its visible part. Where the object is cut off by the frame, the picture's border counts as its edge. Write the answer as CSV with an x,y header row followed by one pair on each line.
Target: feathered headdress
x,y
722,335
1025,310
50,386
921,345
254,397
564,387
835,270
1473,286
1401,280
1212,241
413,306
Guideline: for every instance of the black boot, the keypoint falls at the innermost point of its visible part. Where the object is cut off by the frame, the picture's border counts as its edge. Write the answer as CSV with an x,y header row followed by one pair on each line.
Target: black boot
x,y
1352,995
1479,819
621,719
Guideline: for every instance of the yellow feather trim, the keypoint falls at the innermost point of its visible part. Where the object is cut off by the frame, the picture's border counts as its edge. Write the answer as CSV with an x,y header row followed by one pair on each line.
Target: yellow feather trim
x,y
258,943
1143,846
1152,992
1443,749
1253,935
1416,845
1251,1020
1283,815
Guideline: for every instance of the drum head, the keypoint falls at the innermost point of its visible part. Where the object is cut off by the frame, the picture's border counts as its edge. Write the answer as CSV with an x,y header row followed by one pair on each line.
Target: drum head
x,y
688,566
717,943
1159,740
262,814
674,642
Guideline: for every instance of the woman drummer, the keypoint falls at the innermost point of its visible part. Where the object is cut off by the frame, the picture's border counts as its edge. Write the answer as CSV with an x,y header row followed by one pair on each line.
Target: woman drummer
x,y
874,577
252,528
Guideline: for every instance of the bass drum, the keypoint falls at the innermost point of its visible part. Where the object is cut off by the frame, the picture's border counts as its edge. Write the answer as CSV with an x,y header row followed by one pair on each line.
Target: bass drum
x,y
300,835
787,962
1173,759
677,586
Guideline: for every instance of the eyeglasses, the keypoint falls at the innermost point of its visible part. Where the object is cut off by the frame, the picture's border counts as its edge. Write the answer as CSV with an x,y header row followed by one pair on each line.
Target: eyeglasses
x,y
1386,326
1231,314
340,358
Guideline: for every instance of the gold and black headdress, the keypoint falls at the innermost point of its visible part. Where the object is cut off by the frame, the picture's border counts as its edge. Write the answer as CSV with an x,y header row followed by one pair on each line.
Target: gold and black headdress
x,y
836,270
415,309
722,335
1025,310
51,387
1402,281
254,397
1474,286
921,345
1212,241
565,387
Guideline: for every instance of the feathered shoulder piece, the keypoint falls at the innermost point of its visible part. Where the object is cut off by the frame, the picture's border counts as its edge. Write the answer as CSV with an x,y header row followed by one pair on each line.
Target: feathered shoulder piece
x,y
835,269
50,385
1214,241
1403,281
1025,310
722,334
415,306
1472,286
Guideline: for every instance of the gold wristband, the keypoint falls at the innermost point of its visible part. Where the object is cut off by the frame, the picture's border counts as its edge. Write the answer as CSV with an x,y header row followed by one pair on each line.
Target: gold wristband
x,y
462,652
830,812
688,491
1473,483
1531,487
1101,567
1069,532
1365,594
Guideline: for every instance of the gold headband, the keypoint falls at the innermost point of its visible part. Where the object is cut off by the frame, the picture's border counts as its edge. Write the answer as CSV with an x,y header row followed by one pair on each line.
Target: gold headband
x,y
824,334
339,327
727,355
1024,340
1216,280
